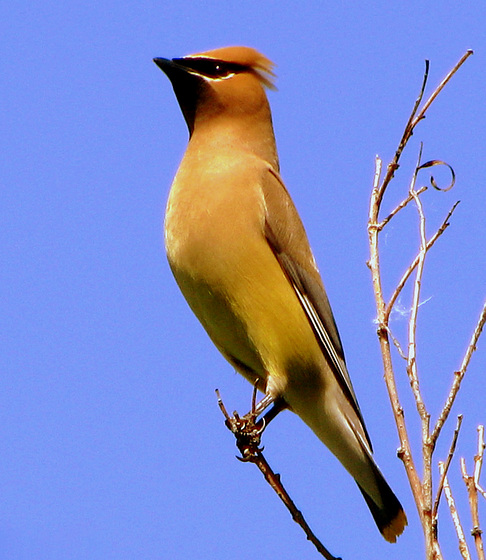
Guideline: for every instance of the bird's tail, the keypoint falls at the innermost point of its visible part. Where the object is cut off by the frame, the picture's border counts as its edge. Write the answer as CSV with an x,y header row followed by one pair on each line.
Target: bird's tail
x,y
336,424
389,515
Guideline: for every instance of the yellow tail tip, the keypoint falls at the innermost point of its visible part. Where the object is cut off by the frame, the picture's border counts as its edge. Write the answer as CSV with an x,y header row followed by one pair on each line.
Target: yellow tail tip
x,y
395,528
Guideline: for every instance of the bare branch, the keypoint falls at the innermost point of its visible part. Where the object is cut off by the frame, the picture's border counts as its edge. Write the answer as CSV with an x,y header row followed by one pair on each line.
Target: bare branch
x,y
412,324
474,339
248,432
472,484
403,280
412,370
482,491
397,209
404,452
439,88
445,470
393,165
414,119
275,482
476,531
478,459
459,375
461,537
397,345
422,490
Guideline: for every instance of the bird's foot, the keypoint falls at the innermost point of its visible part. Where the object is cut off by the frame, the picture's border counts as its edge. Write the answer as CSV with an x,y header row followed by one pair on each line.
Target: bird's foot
x,y
247,429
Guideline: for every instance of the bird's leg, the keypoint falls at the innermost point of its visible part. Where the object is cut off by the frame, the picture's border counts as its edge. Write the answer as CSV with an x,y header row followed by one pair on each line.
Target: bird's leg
x,y
257,409
246,429
279,404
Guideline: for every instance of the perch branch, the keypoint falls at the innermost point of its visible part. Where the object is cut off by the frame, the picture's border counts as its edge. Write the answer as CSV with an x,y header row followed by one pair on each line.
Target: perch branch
x,y
248,437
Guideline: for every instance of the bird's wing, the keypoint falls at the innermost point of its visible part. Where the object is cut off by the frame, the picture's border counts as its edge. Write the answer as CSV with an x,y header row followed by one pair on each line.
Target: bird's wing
x,y
287,237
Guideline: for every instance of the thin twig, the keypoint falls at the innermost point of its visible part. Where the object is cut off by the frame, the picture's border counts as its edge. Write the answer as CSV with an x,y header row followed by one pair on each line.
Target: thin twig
x,y
397,209
478,459
397,345
459,376
403,280
407,133
414,119
439,88
472,484
412,324
461,537
445,470
476,531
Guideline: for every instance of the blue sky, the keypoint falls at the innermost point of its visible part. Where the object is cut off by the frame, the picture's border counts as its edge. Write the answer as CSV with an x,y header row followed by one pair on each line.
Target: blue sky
x,y
112,445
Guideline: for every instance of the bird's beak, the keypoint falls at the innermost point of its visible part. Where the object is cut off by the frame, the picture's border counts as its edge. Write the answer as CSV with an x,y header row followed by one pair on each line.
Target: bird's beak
x,y
165,64
182,80
170,67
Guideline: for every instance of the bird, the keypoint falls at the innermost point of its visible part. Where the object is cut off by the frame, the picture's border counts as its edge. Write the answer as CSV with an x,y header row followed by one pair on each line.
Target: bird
x,y
239,253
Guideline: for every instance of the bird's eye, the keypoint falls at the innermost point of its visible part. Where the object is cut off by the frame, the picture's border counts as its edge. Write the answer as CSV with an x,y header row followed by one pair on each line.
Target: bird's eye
x,y
215,69
221,70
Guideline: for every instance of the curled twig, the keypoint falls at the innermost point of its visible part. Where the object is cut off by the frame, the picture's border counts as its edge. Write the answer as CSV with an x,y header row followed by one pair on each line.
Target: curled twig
x,y
434,162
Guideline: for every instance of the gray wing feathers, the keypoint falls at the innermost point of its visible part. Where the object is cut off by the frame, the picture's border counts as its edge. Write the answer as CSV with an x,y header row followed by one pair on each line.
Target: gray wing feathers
x,y
286,236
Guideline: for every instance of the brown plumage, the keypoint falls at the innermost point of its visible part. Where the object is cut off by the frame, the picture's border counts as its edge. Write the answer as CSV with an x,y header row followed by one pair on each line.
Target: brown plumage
x,y
240,255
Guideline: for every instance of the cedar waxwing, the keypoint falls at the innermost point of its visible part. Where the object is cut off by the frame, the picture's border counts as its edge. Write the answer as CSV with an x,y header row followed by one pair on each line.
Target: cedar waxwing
x,y
240,255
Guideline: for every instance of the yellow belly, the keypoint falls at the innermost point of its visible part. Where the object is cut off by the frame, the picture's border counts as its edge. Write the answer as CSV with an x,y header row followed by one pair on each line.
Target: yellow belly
x,y
232,280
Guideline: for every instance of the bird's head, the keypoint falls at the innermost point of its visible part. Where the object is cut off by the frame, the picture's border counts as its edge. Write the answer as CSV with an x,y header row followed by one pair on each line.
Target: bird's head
x,y
222,83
